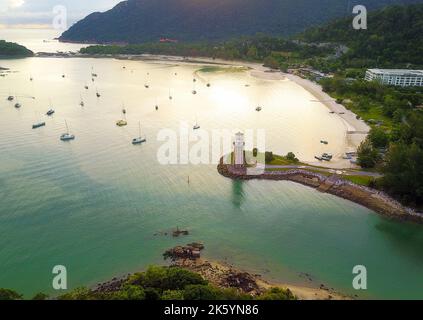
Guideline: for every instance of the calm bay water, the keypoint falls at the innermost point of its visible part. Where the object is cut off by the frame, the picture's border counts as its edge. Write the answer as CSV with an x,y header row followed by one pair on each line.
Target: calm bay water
x,y
95,204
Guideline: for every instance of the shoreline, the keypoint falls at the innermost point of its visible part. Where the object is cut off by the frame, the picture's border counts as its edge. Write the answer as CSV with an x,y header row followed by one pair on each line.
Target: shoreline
x,y
224,275
216,273
370,198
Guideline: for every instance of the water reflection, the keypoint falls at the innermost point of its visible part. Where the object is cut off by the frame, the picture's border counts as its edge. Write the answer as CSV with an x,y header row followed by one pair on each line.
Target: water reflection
x,y
238,195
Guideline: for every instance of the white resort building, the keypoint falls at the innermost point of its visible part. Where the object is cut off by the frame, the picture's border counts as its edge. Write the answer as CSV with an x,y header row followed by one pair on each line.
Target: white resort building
x,y
239,145
396,77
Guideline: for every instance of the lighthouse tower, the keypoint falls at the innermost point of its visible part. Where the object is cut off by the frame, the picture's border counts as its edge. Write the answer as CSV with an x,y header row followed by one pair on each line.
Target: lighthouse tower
x,y
239,145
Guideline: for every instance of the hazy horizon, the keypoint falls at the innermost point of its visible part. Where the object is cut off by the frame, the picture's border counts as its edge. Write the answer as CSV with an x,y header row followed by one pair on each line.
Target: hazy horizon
x,y
39,13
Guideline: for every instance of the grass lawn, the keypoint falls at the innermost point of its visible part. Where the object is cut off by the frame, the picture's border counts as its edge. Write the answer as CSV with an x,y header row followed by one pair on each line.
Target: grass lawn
x,y
360,180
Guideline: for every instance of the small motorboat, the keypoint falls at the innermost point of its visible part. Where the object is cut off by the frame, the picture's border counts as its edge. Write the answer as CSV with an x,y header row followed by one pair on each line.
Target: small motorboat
x,y
121,123
258,109
157,108
194,92
98,95
138,140
146,86
10,98
38,125
196,127
63,76
86,87
67,137
50,112
124,111
208,85
18,105
327,157
324,142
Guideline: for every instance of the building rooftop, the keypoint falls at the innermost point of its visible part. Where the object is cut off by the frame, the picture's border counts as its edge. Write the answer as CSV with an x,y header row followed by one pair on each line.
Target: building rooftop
x,y
399,72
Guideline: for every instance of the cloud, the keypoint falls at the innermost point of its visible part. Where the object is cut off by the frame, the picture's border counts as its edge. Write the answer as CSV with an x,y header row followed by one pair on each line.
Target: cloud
x,y
21,12
16,3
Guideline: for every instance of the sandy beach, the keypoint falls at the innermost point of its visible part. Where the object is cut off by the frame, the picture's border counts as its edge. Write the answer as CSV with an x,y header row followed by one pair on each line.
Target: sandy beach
x,y
217,273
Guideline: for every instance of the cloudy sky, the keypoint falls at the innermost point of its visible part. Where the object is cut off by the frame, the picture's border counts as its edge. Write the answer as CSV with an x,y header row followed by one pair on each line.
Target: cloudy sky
x,y
39,13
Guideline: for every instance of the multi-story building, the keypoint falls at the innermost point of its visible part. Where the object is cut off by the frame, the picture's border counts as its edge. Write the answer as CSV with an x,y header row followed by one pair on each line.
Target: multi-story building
x,y
396,77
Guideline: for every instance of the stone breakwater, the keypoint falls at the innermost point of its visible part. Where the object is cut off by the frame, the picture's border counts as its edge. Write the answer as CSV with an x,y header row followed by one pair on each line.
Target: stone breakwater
x,y
367,197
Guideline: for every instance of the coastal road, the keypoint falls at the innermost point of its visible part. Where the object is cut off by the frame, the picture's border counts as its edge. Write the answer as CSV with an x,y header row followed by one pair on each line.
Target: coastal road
x,y
328,170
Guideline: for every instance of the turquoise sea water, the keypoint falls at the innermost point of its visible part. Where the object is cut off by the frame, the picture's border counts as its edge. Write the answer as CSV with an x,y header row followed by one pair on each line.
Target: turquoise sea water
x,y
95,204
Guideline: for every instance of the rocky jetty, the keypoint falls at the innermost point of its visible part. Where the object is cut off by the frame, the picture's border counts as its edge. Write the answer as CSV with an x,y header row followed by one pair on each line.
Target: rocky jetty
x,y
373,199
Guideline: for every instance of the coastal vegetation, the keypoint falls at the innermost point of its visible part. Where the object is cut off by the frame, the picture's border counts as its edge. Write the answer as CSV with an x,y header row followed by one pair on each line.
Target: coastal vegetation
x,y
12,50
159,283
393,39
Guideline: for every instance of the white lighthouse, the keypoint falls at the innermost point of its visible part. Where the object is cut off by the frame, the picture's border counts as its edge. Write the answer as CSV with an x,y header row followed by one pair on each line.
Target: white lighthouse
x,y
239,145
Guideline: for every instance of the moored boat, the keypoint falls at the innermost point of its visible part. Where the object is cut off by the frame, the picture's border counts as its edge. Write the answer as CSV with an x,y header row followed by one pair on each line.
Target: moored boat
x,y
67,136
38,125
121,123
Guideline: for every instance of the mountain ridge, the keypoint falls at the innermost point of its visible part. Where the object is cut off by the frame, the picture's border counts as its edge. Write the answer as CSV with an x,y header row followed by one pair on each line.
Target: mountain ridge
x,y
137,21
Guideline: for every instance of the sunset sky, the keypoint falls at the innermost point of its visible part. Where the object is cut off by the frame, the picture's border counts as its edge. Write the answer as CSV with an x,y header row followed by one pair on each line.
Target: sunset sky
x,y
39,13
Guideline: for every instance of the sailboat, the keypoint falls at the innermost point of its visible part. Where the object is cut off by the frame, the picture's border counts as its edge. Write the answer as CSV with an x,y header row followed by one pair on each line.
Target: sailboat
x,y
38,125
51,111
17,104
140,139
93,74
146,85
122,123
196,126
67,136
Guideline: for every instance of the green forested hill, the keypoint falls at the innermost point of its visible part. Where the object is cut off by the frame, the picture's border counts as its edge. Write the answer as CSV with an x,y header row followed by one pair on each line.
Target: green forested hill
x,y
394,38
137,21
9,49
